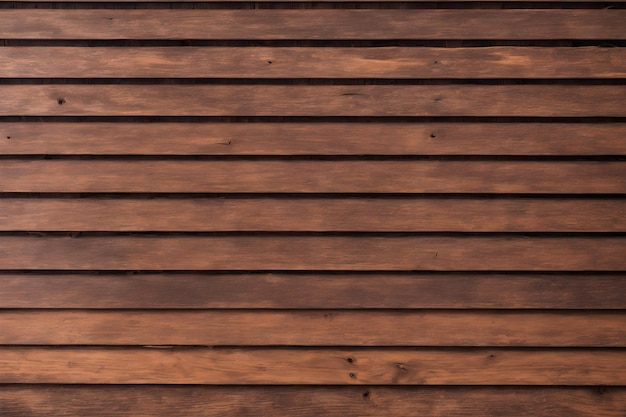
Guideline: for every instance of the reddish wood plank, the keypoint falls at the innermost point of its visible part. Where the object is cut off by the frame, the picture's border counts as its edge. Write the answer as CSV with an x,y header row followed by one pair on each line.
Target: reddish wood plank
x,y
315,214
313,100
314,328
541,177
308,139
312,24
263,62
319,366
344,401
358,253
312,291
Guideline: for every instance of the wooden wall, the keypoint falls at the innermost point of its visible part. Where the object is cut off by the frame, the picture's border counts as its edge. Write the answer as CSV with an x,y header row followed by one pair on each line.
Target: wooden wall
x,y
312,209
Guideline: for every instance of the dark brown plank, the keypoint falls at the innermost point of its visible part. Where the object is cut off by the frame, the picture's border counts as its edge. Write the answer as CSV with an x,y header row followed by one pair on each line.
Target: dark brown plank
x,y
229,401
357,253
313,100
307,139
314,214
319,366
593,177
314,328
390,62
313,291
312,24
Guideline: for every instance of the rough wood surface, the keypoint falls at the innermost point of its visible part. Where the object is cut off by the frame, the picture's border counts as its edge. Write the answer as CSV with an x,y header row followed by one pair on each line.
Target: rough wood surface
x,y
314,328
337,401
312,24
313,291
263,62
314,100
312,366
355,253
297,176
314,214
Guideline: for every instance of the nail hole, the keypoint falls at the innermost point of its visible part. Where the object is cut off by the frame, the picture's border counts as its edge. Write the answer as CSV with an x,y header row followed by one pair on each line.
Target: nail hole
x,y
269,62
350,360
366,394
8,137
352,375
433,135
61,101
436,62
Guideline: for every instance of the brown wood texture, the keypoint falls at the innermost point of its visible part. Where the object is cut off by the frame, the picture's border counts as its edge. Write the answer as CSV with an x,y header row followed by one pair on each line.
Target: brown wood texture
x,y
557,139
312,24
313,291
229,401
314,214
263,62
354,253
313,100
312,366
298,176
314,328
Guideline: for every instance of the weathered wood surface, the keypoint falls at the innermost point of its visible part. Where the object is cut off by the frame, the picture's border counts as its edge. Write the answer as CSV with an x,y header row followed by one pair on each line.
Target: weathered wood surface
x,y
312,366
314,100
301,176
264,62
314,214
314,328
341,253
517,139
227,401
313,291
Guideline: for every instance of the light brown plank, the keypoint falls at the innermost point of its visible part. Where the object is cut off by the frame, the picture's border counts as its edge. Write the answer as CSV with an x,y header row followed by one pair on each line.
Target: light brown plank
x,y
320,366
262,62
319,252
342,401
309,139
314,328
313,100
314,214
312,24
313,291
541,177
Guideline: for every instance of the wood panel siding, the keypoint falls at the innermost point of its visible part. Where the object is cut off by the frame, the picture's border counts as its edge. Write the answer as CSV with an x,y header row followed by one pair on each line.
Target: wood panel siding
x,y
312,209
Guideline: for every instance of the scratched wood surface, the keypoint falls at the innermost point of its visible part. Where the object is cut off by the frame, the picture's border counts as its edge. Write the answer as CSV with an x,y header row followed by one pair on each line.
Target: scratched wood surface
x,y
304,209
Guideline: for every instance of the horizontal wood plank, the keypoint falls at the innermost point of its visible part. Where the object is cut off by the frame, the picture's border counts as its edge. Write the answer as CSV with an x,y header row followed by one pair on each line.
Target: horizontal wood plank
x,y
314,214
312,139
357,253
305,367
312,291
312,24
339,401
264,62
314,328
276,176
313,100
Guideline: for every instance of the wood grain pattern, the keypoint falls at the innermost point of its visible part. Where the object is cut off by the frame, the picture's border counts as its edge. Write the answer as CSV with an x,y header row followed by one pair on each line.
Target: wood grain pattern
x,y
314,328
305,366
263,62
276,176
312,139
314,100
314,214
338,401
312,24
356,253
313,291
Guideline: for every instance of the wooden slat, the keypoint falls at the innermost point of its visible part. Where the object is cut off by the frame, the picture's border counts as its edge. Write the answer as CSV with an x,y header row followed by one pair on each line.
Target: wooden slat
x,y
312,24
307,139
356,253
313,291
319,366
314,214
313,176
313,100
314,328
262,62
229,401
